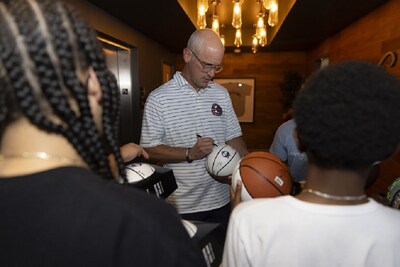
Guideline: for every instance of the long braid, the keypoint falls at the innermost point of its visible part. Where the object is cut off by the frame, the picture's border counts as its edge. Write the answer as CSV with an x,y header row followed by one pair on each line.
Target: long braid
x,y
48,66
84,129
94,55
50,79
109,87
22,80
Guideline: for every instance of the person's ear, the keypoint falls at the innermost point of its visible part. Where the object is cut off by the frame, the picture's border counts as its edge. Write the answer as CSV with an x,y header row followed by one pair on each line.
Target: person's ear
x,y
187,55
93,84
297,140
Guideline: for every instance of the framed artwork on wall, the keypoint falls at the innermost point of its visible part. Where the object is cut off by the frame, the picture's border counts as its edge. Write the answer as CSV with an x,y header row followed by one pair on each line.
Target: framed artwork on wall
x,y
241,91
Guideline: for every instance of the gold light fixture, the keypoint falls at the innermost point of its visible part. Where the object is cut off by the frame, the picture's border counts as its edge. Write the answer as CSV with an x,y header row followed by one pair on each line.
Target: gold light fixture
x,y
237,14
260,37
238,38
260,21
267,4
215,18
266,17
222,37
215,24
273,13
261,28
260,25
263,36
202,7
254,44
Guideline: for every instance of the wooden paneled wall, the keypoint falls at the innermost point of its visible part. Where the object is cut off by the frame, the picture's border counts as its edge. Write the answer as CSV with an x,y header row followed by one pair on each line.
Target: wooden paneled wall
x,y
369,39
268,71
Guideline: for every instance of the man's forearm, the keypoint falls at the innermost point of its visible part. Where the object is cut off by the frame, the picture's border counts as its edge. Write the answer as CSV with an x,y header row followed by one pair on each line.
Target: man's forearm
x,y
167,153
238,144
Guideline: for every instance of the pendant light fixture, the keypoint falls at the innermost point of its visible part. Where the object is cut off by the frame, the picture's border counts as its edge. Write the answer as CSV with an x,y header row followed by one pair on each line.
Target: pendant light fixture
x,y
202,7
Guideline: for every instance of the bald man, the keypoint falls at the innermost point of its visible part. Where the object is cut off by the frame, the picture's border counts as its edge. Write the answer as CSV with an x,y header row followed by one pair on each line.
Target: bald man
x,y
182,120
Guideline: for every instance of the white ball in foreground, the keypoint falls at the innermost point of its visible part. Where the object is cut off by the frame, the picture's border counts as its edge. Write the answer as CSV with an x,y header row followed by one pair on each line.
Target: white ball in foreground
x,y
222,160
136,172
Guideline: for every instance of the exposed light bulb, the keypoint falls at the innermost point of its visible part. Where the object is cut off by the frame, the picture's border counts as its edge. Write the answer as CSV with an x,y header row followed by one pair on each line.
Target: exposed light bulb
x,y
237,14
274,6
201,20
260,25
222,37
263,38
260,21
254,45
215,24
267,4
202,7
238,38
273,14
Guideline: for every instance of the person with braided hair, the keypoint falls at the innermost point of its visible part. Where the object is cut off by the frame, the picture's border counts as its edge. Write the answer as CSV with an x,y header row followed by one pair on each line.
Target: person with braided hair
x,y
347,120
60,201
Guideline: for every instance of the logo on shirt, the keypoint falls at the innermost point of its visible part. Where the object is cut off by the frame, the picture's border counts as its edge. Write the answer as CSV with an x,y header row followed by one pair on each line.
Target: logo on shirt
x,y
216,109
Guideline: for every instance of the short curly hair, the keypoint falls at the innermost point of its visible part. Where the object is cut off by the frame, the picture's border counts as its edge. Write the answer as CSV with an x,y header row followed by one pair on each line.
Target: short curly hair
x,y
348,115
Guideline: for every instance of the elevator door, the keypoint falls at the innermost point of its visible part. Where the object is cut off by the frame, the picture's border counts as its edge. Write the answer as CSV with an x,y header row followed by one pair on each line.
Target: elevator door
x,y
121,61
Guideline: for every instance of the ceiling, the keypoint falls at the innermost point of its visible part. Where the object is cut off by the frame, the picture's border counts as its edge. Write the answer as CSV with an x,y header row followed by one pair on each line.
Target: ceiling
x,y
307,23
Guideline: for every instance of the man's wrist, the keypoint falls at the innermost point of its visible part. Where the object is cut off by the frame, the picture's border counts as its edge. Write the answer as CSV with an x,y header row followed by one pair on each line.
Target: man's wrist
x,y
187,155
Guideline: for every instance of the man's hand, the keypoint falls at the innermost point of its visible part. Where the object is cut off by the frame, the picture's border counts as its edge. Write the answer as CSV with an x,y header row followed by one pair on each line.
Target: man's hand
x,y
202,148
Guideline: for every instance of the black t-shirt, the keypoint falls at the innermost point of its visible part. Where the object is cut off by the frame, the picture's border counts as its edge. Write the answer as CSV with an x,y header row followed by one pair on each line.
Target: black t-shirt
x,y
71,217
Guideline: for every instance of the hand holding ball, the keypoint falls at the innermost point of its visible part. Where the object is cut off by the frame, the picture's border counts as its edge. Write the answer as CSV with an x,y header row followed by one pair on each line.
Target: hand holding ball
x,y
263,175
222,160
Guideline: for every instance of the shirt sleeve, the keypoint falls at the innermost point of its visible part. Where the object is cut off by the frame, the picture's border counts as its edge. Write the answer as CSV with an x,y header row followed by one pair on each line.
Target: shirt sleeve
x,y
278,147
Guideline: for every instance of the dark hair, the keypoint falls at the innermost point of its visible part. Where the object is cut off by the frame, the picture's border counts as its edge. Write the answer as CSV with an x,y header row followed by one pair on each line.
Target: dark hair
x,y
45,47
348,115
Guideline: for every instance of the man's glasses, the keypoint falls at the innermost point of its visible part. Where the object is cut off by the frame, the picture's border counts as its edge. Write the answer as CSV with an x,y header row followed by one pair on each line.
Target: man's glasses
x,y
206,66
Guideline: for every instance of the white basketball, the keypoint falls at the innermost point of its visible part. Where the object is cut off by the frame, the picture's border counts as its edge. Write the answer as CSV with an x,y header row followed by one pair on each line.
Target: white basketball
x,y
191,228
136,172
222,160
235,177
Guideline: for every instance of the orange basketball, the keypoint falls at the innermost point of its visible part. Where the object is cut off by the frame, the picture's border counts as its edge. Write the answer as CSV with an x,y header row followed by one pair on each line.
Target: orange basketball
x,y
263,175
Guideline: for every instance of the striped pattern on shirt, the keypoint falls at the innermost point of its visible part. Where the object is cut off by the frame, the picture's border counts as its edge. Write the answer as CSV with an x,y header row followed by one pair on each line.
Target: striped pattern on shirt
x,y
174,114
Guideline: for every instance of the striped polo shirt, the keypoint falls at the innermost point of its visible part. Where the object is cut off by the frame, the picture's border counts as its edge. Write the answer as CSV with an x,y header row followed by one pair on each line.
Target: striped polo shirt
x,y
173,115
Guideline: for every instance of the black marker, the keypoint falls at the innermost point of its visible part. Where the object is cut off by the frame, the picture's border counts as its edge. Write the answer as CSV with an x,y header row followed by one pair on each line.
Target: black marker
x,y
199,136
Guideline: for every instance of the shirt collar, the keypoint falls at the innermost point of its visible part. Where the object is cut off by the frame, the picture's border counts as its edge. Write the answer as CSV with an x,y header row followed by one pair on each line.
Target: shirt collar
x,y
183,83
